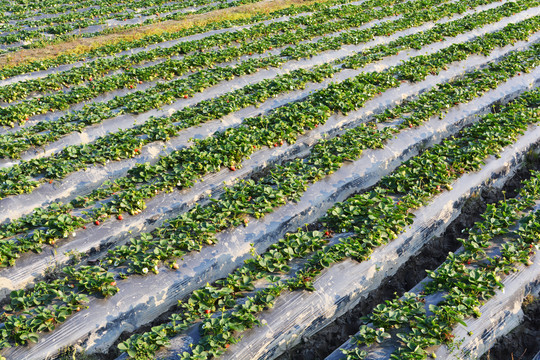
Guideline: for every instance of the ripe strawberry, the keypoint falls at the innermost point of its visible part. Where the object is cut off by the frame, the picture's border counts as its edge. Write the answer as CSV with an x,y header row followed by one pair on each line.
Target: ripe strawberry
x,y
207,311
246,221
250,53
185,96
50,181
78,309
140,82
27,118
227,346
84,227
410,125
96,222
136,150
113,283
131,86
270,48
90,79
120,217
531,246
327,233
275,145
468,262
233,168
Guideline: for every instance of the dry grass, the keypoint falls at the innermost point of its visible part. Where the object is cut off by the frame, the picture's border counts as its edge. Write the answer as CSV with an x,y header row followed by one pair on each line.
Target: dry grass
x,y
84,45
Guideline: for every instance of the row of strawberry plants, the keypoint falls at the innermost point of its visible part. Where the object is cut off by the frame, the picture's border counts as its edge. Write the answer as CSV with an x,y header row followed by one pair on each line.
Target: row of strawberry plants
x,y
66,21
100,15
112,49
375,218
100,67
30,9
65,28
173,15
102,9
290,181
253,40
465,280
14,143
131,193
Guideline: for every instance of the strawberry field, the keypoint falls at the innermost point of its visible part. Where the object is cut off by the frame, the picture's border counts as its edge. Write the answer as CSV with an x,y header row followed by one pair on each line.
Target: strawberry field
x,y
329,180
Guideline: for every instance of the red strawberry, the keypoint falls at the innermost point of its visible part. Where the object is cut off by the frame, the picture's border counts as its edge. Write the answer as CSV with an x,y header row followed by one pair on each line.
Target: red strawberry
x,y
84,227
185,96
327,233
410,125
96,222
90,79
227,346
136,150
140,82
233,168
250,53
120,217
469,262
207,311
113,283
50,181
27,118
